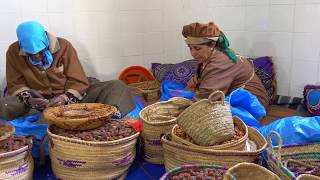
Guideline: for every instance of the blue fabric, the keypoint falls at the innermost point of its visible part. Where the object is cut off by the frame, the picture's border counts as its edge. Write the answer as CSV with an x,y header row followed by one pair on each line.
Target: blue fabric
x,y
139,106
294,130
33,39
28,125
171,89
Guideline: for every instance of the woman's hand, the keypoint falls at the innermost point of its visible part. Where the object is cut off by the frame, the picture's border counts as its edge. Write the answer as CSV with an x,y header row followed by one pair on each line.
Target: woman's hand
x,y
192,83
58,100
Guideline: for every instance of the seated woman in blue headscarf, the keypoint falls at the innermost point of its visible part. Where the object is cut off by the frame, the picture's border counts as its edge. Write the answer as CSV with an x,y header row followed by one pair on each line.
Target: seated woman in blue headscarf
x,y
44,71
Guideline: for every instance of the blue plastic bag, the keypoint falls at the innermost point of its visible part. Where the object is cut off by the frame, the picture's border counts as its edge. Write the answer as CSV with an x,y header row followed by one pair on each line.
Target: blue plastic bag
x,y
171,89
246,106
28,125
294,130
139,106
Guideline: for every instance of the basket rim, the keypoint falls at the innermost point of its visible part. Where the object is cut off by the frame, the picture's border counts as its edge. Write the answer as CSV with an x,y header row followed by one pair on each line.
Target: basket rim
x,y
239,141
252,131
91,143
15,152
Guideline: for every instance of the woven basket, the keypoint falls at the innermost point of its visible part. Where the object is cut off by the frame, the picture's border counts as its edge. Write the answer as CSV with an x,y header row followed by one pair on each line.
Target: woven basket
x,y
18,164
75,159
148,90
176,155
307,177
248,171
234,145
303,157
6,131
82,116
220,170
158,119
208,122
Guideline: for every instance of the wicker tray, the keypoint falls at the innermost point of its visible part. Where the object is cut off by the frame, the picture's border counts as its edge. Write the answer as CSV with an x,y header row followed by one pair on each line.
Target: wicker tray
x,y
82,116
6,131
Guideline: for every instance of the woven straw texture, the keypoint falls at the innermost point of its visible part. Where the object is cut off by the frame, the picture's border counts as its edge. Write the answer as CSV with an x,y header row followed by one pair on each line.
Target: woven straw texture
x,y
249,171
307,177
158,119
176,155
82,116
17,165
148,90
208,122
234,145
75,159
219,169
6,131
305,157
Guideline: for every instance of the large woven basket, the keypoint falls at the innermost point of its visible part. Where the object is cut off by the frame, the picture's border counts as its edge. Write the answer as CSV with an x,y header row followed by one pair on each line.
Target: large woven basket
x,y
248,171
18,164
75,159
238,144
208,122
307,177
289,161
82,116
6,131
148,90
219,170
176,155
158,119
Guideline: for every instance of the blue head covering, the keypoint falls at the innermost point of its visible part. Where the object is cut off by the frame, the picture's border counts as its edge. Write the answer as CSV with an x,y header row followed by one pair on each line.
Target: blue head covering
x,y
33,39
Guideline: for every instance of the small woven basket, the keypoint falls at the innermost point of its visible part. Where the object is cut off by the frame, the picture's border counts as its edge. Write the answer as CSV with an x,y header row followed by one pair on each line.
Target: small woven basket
x,y
247,171
82,116
289,161
218,170
208,122
148,90
238,144
6,131
158,119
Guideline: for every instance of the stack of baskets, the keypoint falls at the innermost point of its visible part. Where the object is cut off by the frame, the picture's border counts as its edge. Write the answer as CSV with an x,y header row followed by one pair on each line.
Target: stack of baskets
x,y
206,133
15,155
158,119
75,158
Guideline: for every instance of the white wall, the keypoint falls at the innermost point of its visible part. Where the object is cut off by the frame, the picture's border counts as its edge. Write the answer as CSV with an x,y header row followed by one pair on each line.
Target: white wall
x,y
112,34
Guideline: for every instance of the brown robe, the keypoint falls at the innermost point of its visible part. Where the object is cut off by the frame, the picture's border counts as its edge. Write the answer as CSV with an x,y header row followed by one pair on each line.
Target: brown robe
x,y
220,73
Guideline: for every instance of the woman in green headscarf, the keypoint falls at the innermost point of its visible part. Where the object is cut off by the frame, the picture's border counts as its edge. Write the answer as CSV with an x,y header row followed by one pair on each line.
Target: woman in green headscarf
x,y
219,68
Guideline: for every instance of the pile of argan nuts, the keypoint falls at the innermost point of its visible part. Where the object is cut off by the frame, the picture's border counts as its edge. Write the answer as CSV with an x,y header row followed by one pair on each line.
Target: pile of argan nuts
x,y
199,174
14,143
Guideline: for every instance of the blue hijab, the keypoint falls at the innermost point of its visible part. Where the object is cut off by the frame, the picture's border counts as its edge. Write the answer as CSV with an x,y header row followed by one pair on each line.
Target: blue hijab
x,y
32,39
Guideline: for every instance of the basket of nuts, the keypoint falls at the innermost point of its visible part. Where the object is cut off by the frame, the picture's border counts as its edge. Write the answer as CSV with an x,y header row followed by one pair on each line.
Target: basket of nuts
x,y
82,116
195,171
6,131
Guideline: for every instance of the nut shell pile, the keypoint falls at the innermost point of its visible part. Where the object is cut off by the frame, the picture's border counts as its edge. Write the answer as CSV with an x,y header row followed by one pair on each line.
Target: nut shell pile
x,y
110,131
14,143
199,174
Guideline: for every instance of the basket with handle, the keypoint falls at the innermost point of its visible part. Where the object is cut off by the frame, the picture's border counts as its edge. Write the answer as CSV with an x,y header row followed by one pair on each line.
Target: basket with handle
x,y
238,144
81,116
246,171
208,122
289,161
158,119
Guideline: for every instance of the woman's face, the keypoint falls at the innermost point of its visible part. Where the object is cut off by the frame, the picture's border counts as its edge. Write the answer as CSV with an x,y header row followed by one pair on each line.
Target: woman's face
x,y
200,52
38,56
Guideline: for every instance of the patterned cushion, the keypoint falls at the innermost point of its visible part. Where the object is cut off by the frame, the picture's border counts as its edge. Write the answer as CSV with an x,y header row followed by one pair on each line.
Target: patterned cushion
x,y
311,95
182,72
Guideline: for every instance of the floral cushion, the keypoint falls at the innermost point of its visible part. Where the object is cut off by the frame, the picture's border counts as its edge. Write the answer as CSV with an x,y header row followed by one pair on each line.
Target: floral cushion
x,y
311,96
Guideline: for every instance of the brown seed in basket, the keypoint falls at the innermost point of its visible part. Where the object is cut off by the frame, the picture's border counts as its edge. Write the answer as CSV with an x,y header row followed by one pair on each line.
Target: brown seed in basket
x,y
202,173
13,144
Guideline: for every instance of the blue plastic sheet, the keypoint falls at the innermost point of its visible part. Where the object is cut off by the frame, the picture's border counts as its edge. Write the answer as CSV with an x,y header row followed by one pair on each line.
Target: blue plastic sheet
x,y
170,89
139,106
246,106
294,130
27,125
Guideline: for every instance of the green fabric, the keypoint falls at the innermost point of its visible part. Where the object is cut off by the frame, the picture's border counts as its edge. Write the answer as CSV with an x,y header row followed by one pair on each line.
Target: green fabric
x,y
223,43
